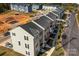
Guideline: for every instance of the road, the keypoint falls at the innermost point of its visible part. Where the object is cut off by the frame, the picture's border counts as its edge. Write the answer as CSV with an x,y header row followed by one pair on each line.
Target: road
x,y
71,42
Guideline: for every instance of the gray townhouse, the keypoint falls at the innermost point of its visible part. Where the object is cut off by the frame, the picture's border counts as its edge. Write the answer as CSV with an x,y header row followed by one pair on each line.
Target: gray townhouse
x,y
59,12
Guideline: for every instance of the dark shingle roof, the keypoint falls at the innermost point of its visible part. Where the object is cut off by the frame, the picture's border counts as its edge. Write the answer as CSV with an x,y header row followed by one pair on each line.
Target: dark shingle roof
x,y
31,28
52,16
43,21
58,10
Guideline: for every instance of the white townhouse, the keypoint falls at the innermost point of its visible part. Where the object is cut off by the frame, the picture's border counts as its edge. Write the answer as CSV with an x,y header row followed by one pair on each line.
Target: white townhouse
x,y
36,6
49,7
22,7
26,39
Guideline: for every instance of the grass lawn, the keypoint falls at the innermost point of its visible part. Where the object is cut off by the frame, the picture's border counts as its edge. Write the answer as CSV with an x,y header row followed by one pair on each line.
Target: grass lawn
x,y
59,51
8,52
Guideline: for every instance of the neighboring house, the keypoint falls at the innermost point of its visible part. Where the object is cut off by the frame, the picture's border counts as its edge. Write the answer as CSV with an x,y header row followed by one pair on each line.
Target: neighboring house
x,y
36,6
53,17
46,7
21,7
49,7
44,22
26,39
59,11
54,27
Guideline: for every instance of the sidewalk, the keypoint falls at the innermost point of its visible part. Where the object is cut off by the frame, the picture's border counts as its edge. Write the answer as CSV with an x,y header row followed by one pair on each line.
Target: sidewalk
x,y
50,51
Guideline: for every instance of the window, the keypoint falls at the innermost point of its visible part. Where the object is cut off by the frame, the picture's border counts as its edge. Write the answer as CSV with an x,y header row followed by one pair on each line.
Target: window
x,y
26,37
27,46
19,43
28,53
13,34
7,33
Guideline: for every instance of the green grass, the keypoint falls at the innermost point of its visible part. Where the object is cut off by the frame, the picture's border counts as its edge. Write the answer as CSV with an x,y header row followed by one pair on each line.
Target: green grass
x,y
8,52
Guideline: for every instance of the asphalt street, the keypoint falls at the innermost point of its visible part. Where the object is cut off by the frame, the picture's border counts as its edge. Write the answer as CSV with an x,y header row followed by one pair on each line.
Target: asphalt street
x,y
71,42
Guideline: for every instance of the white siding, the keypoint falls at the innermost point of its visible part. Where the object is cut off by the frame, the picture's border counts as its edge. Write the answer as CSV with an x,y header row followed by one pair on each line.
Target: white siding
x,y
26,9
16,7
35,7
20,37
19,8
11,6
48,8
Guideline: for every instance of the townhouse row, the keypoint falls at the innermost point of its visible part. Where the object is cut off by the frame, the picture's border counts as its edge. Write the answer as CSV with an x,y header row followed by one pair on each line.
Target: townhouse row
x,y
30,38
23,7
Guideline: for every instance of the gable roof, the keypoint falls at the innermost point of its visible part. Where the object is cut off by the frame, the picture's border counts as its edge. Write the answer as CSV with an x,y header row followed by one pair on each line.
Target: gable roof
x,y
43,21
58,10
31,28
52,16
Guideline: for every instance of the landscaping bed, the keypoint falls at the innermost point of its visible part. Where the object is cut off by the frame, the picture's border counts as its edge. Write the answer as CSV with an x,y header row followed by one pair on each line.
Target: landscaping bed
x,y
59,51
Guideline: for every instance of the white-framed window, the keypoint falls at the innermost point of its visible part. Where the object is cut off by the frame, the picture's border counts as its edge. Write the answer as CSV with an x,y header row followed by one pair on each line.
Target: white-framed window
x,y
13,34
26,45
26,38
19,43
27,53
